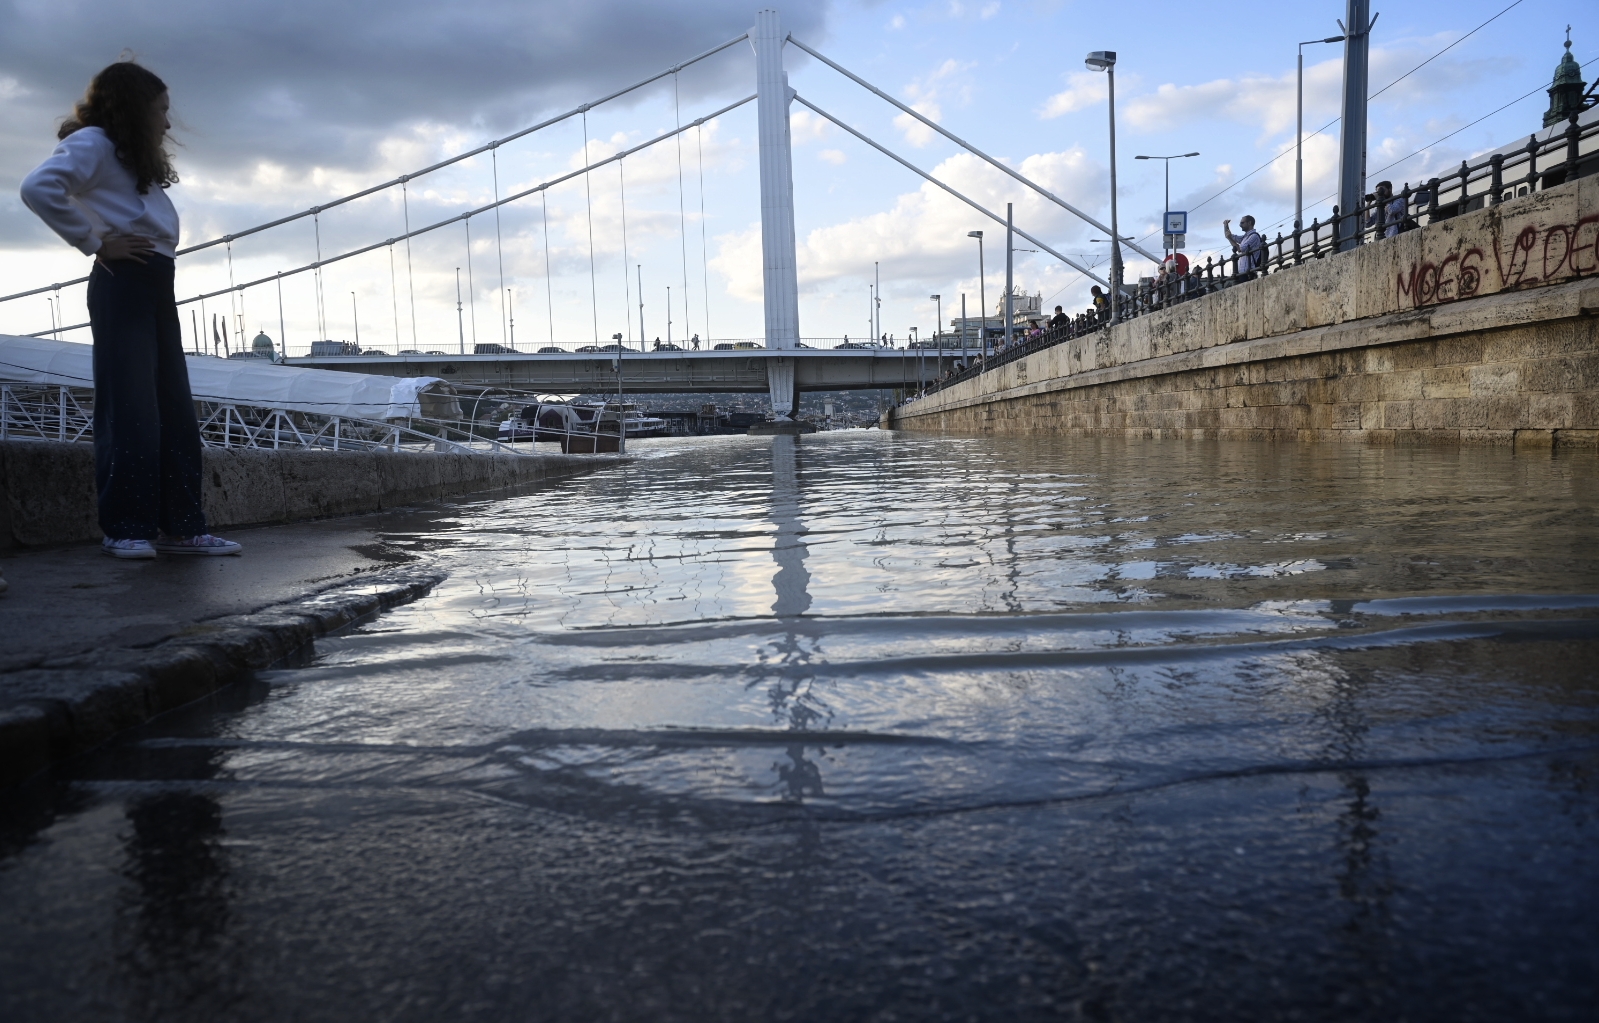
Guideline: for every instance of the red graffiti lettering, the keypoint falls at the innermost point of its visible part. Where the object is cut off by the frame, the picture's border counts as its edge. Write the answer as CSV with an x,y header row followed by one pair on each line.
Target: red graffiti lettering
x,y
1407,286
1446,284
1590,224
1565,250
1568,250
1470,275
1520,252
1426,284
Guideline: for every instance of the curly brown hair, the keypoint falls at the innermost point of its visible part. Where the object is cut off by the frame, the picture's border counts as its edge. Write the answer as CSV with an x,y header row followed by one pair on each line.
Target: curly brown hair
x,y
121,102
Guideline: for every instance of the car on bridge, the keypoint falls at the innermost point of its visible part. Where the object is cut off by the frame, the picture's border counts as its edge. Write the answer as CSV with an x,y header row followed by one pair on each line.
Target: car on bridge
x,y
854,344
552,350
667,346
492,349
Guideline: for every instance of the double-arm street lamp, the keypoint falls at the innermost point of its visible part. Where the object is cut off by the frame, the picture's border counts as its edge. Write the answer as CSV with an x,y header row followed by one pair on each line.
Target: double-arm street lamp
x,y
1105,60
1299,137
1168,159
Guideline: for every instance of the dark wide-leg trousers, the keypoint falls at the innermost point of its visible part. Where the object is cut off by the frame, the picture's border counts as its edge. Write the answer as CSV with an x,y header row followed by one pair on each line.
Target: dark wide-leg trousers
x,y
146,439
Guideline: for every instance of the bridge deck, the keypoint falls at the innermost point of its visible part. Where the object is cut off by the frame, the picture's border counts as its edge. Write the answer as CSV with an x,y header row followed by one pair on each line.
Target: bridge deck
x,y
646,372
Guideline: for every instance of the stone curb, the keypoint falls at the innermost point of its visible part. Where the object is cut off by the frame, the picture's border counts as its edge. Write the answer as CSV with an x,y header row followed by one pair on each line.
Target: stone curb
x,y
63,707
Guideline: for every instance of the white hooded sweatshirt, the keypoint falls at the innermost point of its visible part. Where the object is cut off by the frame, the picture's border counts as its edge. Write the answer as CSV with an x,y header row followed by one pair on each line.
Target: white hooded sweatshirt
x,y
83,192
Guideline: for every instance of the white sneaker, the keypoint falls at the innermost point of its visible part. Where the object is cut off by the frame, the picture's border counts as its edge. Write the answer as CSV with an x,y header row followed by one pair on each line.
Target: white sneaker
x,y
127,548
205,543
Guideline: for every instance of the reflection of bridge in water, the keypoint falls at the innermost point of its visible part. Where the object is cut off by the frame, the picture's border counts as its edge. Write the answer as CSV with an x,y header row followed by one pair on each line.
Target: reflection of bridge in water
x,y
666,372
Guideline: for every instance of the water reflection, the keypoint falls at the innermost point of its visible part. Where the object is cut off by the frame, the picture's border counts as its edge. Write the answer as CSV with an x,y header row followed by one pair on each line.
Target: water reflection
x,y
794,700
177,914
792,581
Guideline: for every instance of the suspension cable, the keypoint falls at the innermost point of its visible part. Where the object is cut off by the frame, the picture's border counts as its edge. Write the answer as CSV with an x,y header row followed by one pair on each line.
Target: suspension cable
x,y
499,244
705,270
515,197
410,276
394,298
1051,196
627,286
682,217
549,293
487,147
321,309
917,170
588,193
471,291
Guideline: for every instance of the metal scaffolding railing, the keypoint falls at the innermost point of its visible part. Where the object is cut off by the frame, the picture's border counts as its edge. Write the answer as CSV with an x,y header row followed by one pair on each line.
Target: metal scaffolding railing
x,y
53,412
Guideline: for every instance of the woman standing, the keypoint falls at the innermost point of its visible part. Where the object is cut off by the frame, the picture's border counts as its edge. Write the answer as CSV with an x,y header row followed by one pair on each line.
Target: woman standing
x,y
104,191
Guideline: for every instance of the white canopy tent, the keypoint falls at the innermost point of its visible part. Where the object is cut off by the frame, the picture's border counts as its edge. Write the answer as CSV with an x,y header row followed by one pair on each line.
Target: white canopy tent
x,y
38,360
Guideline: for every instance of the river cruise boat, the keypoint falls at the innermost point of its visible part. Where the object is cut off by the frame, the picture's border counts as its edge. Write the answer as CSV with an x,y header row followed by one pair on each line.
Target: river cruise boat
x,y
552,422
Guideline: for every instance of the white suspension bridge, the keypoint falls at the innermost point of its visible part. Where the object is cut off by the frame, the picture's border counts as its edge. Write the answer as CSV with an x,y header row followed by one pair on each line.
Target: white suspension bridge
x,y
781,363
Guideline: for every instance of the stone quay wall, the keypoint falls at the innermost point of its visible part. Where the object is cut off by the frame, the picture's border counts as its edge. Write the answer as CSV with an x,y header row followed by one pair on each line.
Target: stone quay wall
x,y
1481,329
47,492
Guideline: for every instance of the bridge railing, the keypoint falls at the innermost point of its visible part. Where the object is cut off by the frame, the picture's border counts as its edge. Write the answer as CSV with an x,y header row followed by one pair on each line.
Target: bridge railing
x,y
66,414
1539,165
598,351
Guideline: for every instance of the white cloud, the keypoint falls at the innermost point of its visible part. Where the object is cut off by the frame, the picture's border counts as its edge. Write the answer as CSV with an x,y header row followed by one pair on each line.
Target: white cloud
x,y
915,132
990,9
805,127
949,80
1084,89
924,232
835,157
898,22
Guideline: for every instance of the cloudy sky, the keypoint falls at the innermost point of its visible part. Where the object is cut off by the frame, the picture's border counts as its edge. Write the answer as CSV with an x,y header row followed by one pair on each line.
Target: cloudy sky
x,y
284,105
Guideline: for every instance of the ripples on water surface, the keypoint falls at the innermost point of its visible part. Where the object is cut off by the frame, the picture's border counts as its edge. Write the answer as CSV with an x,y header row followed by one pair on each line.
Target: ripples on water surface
x,y
872,726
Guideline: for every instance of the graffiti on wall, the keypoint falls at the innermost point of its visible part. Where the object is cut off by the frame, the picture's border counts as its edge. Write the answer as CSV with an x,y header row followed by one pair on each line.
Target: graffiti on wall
x,y
1531,256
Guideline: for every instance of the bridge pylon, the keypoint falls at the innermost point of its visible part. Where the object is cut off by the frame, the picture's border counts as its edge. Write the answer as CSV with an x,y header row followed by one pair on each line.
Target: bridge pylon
x,y
780,270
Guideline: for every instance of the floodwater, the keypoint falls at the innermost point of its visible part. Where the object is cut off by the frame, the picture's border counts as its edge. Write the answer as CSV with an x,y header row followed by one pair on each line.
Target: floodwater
x,y
864,726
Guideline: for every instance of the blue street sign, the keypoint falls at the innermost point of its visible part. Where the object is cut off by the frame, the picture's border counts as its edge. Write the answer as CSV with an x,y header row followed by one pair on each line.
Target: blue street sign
x,y
1176,221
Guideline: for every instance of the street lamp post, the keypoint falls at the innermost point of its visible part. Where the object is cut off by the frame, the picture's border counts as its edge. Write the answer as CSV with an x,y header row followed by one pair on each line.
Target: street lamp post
x,y
938,327
355,315
1168,159
1299,135
1105,60
982,296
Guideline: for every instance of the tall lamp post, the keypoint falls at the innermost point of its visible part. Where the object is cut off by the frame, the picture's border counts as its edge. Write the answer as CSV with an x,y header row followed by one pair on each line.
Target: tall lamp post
x,y
938,327
1105,60
982,296
1299,136
1168,159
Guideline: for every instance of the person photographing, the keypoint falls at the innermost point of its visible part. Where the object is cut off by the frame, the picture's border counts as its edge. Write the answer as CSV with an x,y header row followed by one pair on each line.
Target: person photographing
x,y
103,191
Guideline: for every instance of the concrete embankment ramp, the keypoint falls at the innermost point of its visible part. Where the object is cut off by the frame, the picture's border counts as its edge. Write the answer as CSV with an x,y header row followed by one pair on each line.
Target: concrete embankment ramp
x,y
47,493
1479,329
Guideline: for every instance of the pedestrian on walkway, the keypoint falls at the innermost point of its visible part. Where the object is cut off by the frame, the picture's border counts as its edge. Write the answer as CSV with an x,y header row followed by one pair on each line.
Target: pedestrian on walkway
x,y
103,190
1059,320
1387,211
1250,246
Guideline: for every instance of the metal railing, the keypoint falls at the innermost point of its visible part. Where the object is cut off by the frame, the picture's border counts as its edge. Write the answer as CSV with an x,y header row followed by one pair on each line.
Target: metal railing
x,y
1539,165
61,413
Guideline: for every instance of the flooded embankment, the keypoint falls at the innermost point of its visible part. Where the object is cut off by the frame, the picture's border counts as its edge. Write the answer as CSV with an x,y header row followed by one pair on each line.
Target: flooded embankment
x,y
884,726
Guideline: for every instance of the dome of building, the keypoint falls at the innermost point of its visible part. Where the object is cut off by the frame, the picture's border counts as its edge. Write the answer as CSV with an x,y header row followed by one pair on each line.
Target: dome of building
x,y
262,345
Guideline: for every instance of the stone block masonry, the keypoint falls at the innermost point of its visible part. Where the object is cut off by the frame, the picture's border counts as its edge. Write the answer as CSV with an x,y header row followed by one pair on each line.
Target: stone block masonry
x,y
1482,329
47,493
